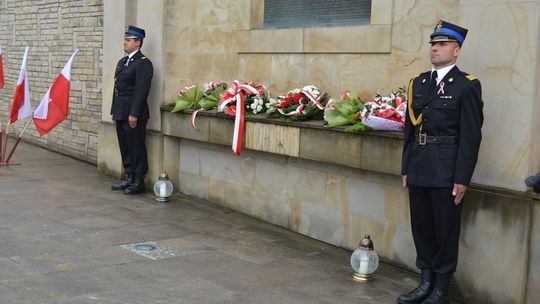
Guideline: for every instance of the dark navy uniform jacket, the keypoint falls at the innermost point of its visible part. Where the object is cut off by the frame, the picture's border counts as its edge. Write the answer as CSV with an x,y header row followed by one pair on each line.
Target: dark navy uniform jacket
x,y
456,112
131,87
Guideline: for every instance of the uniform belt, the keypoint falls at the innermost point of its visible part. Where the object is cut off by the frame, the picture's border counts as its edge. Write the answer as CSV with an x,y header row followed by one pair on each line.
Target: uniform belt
x,y
424,139
122,93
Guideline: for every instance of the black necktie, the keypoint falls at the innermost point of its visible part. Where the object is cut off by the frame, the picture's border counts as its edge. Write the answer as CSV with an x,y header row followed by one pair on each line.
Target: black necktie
x,y
433,81
126,61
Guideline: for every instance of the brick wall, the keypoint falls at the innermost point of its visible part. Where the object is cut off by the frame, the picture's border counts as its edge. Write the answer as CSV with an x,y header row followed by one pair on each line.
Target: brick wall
x,y
53,29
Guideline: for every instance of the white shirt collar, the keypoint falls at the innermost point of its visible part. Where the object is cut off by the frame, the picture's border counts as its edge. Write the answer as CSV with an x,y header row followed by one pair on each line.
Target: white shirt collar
x,y
132,53
442,72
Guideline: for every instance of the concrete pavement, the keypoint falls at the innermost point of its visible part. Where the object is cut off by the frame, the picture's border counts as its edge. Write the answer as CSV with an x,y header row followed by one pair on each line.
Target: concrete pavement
x,y
66,238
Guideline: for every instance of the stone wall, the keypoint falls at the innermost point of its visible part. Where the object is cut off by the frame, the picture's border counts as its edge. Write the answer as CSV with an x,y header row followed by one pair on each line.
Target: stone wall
x,y
53,29
223,40
338,193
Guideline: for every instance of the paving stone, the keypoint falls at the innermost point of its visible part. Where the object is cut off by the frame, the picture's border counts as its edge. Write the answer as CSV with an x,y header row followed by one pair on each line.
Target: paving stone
x,y
61,231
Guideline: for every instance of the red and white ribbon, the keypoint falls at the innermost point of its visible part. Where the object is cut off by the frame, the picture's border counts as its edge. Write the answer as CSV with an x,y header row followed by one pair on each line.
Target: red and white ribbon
x,y
192,119
299,110
315,100
441,88
235,94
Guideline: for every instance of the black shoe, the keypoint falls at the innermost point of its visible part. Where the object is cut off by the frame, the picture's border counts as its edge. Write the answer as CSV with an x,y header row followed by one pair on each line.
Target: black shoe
x,y
438,296
420,293
122,185
137,187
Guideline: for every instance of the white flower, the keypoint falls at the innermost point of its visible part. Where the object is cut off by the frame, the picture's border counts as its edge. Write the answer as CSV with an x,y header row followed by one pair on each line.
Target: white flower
x,y
258,100
259,108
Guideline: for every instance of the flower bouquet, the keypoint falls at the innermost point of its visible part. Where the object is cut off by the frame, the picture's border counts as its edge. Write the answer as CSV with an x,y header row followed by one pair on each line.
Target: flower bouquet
x,y
256,103
235,101
385,113
301,104
212,94
188,98
254,98
344,111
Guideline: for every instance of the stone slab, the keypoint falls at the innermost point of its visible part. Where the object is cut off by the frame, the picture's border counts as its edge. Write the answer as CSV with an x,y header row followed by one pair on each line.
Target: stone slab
x,y
381,154
331,147
273,138
178,125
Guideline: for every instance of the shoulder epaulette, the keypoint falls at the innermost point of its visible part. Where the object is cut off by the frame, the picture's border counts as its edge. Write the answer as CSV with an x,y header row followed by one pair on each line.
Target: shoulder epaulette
x,y
416,76
471,77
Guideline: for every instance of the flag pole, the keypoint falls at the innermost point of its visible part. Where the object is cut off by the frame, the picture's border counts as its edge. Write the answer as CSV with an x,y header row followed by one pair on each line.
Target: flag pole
x,y
18,140
1,146
6,137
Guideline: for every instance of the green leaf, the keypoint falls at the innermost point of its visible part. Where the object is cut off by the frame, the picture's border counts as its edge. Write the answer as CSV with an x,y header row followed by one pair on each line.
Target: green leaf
x,y
211,100
358,127
208,103
194,95
188,100
181,104
352,118
345,107
334,118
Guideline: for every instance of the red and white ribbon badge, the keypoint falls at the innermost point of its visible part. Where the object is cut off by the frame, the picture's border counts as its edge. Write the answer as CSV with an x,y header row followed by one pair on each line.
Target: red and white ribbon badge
x,y
441,88
235,94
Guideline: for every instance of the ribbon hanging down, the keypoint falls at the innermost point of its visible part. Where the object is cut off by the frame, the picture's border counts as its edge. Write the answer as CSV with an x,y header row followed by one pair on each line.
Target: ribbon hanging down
x,y
192,118
235,94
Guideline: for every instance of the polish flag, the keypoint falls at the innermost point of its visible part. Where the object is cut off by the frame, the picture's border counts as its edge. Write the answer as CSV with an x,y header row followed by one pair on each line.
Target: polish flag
x,y
1,70
54,106
21,106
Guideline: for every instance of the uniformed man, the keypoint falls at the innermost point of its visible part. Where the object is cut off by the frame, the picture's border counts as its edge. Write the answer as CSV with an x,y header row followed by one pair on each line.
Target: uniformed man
x,y
442,139
129,110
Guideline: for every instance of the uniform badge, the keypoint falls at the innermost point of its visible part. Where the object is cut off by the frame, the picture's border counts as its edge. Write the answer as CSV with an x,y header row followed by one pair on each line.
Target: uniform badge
x,y
441,88
450,80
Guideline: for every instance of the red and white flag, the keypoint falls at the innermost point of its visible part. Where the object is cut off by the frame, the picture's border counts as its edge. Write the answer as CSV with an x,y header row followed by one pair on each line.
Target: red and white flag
x,y
21,107
54,106
1,70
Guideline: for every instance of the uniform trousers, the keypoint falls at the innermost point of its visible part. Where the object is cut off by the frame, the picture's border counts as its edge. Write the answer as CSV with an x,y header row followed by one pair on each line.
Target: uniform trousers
x,y
436,224
132,146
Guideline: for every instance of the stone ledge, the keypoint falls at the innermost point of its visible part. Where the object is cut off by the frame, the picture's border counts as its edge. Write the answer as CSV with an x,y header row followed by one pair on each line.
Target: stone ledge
x,y
373,151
